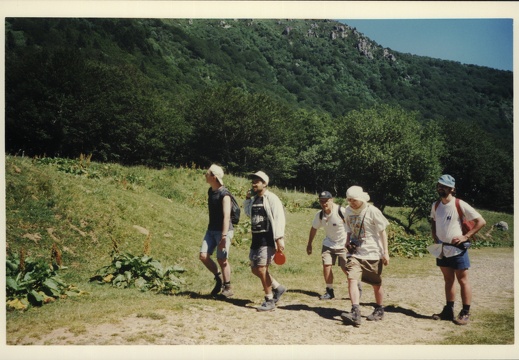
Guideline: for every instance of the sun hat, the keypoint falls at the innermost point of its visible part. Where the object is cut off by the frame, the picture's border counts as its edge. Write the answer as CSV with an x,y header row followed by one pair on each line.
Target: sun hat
x,y
218,172
325,195
447,180
357,193
260,174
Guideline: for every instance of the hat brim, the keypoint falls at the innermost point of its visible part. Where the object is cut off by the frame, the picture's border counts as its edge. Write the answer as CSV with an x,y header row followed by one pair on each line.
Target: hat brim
x,y
445,184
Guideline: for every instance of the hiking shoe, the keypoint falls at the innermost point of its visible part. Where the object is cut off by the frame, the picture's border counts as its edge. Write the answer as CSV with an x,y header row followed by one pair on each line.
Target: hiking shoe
x,y
280,290
268,305
227,291
378,314
328,295
446,314
217,287
462,319
353,317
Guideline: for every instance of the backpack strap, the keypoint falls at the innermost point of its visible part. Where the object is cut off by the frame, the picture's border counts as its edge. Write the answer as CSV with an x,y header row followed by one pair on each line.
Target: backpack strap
x,y
460,212
341,214
436,205
338,210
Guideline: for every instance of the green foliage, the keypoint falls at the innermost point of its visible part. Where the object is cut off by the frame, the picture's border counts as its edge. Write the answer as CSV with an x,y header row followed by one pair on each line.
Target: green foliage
x,y
481,165
141,272
402,244
392,156
32,282
253,94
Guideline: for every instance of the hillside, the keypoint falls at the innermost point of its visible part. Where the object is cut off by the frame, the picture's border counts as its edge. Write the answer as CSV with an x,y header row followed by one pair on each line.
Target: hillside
x,y
272,94
317,64
88,209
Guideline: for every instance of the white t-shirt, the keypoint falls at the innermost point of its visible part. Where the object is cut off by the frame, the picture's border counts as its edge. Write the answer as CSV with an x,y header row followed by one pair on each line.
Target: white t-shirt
x,y
448,222
371,247
333,226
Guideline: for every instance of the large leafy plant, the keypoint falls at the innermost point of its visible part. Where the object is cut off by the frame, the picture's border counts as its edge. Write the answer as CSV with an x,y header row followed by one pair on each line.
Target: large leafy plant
x,y
32,282
142,272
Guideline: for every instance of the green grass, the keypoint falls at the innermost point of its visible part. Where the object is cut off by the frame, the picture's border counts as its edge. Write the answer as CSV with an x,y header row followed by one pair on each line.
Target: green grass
x,y
498,329
87,215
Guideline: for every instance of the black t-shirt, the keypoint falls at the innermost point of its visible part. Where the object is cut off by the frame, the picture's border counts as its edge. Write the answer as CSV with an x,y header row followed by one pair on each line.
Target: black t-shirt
x,y
262,234
214,201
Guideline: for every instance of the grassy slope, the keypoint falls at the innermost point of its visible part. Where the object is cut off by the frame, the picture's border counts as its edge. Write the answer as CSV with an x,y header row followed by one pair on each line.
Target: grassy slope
x,y
85,216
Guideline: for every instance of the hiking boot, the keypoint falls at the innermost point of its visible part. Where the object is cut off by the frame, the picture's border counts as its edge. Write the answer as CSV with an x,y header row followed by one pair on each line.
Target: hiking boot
x,y
328,295
378,314
268,305
227,291
446,314
353,318
462,319
280,290
218,286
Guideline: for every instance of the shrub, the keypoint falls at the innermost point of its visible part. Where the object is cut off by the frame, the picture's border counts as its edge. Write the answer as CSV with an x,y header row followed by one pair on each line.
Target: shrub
x,y
142,272
34,283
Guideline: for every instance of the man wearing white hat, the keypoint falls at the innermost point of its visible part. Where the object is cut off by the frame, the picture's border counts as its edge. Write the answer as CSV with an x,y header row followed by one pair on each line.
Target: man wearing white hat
x,y
453,260
268,231
367,242
219,232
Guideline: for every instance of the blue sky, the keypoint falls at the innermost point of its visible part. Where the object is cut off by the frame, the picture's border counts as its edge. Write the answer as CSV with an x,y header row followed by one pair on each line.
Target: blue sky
x,y
485,42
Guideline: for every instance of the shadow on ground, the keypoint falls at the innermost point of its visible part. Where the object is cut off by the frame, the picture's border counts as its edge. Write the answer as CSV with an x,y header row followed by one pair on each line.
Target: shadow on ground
x,y
219,297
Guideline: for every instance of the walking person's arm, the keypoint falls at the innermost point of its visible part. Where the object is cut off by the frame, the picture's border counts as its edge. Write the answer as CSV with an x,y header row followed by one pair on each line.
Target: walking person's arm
x,y
385,255
226,204
311,237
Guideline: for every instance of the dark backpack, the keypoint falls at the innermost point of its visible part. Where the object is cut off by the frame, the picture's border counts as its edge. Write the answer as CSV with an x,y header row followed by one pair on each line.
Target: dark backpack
x,y
235,208
338,210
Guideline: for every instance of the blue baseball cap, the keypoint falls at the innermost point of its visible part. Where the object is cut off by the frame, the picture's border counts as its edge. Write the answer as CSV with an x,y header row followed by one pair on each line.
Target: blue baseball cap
x,y
447,180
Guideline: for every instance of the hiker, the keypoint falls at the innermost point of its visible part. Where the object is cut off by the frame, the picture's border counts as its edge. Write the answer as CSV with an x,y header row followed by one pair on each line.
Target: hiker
x,y
367,243
219,232
331,218
453,260
268,230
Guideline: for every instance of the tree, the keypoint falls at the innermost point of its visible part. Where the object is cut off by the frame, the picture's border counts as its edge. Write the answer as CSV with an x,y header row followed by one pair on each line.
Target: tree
x,y
394,158
242,131
480,163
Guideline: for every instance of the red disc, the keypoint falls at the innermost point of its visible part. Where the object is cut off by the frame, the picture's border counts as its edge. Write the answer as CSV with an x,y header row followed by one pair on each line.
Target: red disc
x,y
279,258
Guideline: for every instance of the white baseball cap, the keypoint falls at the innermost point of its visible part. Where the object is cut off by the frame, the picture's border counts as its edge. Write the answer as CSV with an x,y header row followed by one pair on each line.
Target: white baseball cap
x,y
218,172
264,177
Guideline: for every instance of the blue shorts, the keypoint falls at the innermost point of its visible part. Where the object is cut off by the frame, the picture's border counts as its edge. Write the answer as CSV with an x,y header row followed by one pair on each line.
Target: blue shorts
x,y
458,262
211,240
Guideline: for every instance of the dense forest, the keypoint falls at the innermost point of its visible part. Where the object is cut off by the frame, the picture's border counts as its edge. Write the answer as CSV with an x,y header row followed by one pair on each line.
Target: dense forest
x,y
314,103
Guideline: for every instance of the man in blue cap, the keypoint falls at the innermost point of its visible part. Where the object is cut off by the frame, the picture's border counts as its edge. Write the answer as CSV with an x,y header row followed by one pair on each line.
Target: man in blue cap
x,y
454,259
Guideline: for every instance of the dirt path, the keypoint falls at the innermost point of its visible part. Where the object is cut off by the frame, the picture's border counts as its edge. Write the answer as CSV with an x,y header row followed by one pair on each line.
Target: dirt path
x,y
302,319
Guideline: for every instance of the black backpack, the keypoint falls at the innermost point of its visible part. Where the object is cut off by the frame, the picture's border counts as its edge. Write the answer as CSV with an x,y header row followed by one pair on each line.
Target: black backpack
x,y
235,208
338,210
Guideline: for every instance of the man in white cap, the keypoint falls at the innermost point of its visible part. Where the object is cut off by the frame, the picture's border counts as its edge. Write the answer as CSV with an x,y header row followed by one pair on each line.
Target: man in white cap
x,y
219,231
367,243
268,230
454,260
331,219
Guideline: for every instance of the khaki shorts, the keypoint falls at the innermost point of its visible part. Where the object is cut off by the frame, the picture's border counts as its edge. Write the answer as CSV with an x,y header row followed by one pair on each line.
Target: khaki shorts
x,y
330,256
368,271
262,256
